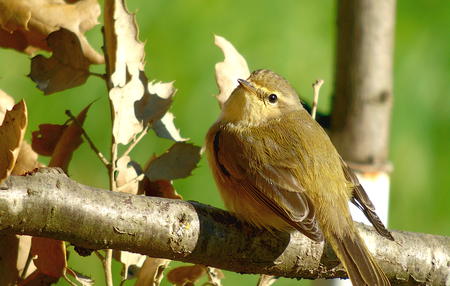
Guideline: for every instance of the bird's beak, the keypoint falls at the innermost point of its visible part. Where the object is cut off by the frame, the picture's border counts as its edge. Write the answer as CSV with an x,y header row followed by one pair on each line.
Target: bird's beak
x,y
248,86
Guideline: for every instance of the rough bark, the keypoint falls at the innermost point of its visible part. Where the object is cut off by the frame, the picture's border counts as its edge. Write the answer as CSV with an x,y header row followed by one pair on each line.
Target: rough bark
x,y
50,204
363,86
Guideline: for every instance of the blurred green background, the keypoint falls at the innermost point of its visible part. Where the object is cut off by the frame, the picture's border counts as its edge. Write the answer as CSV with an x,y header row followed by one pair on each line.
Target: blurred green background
x,y
296,39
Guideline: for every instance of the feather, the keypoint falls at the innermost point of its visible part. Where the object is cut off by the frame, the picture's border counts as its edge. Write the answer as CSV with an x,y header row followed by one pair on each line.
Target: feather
x,y
357,260
363,202
272,184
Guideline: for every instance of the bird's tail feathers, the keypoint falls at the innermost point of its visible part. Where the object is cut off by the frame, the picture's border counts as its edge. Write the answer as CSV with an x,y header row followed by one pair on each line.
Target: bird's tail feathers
x,y
359,263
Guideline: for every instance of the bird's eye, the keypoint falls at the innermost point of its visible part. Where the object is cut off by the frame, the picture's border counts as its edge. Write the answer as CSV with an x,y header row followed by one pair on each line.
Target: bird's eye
x,y
273,98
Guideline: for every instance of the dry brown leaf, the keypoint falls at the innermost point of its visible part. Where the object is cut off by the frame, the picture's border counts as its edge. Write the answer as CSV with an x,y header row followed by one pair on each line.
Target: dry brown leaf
x,y
12,131
135,101
17,40
177,162
160,188
70,140
131,262
27,160
66,68
25,24
266,280
165,128
215,276
51,256
6,103
14,250
126,125
151,272
82,279
38,278
185,274
22,255
46,138
125,66
128,171
230,70
155,102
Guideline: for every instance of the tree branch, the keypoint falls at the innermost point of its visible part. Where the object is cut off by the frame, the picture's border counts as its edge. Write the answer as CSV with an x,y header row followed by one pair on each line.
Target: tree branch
x,y
48,203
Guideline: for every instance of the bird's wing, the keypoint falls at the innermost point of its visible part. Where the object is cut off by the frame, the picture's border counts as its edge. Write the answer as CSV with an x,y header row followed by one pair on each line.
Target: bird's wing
x,y
362,201
272,181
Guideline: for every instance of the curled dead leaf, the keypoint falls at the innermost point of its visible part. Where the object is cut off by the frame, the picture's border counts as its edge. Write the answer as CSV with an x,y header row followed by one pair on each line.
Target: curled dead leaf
x,y
22,255
66,68
165,128
24,25
12,131
230,70
151,272
266,280
82,279
131,262
6,103
27,160
125,68
125,123
51,256
177,162
160,188
215,276
186,274
155,102
38,278
46,138
128,171
135,101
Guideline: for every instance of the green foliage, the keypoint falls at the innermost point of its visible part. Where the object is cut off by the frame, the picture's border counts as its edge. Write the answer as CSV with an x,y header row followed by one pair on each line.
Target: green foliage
x,y
294,38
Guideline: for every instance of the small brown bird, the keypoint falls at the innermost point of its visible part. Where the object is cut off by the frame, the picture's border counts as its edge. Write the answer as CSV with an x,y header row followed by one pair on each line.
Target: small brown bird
x,y
277,168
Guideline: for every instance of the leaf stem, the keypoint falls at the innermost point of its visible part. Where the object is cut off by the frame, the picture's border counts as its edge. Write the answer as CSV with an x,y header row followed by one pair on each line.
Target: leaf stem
x,y
99,75
316,88
136,141
68,280
88,139
106,262
134,180
113,166
27,265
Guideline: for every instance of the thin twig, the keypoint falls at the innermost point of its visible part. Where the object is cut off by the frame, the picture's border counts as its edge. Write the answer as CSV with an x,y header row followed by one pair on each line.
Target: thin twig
x,y
136,141
99,255
108,270
68,280
107,267
88,139
113,166
132,181
102,76
106,263
316,87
